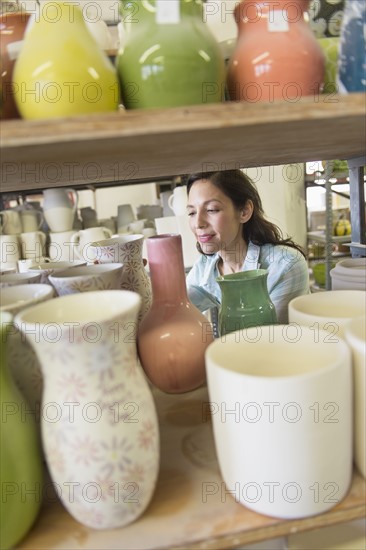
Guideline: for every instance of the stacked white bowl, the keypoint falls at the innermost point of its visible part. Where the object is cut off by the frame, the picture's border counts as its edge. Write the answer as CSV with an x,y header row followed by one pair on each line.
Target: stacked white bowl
x,y
349,274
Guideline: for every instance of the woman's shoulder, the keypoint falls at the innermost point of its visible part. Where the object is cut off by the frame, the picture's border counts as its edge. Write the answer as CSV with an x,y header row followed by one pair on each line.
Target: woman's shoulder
x,y
285,255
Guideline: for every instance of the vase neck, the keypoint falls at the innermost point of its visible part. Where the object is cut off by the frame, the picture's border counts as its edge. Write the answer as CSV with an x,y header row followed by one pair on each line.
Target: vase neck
x,y
273,13
166,265
162,12
248,291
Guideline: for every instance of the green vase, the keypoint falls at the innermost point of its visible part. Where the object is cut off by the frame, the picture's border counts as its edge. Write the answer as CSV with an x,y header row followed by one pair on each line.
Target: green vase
x,y
169,57
245,301
61,70
20,455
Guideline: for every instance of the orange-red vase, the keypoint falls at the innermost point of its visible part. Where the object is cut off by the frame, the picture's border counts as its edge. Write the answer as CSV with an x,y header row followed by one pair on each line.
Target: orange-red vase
x,y
173,336
277,55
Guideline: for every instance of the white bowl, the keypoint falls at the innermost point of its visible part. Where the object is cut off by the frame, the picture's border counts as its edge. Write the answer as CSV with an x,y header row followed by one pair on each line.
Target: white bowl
x,y
349,274
330,310
13,279
49,268
14,299
87,278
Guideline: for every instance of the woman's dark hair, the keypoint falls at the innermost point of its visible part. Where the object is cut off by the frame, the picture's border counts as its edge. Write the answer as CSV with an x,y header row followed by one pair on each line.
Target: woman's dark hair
x,y
239,188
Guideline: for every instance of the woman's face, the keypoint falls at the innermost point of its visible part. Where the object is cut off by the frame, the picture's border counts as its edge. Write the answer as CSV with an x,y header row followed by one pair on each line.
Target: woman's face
x,y
213,218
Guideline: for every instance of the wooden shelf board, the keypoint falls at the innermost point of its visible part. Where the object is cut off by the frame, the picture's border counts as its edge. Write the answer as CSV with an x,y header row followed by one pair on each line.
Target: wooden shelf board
x,y
140,145
190,507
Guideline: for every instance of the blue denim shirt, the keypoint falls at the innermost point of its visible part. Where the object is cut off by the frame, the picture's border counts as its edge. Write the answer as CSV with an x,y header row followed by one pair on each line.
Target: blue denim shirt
x,y
288,276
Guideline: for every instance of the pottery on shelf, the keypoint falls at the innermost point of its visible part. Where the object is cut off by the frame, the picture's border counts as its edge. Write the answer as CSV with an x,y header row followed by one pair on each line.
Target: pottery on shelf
x,y
12,28
21,471
173,336
103,450
277,55
127,250
61,70
351,76
245,301
168,57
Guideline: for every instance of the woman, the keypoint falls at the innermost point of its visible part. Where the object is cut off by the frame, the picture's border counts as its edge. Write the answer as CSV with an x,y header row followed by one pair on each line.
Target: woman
x,y
226,216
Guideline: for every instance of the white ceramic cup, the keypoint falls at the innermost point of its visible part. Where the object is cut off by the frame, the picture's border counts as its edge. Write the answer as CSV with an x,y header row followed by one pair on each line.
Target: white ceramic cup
x,y
60,248
33,245
83,239
178,201
330,310
355,335
16,298
349,274
87,279
281,406
10,252
125,216
59,207
32,220
11,222
49,268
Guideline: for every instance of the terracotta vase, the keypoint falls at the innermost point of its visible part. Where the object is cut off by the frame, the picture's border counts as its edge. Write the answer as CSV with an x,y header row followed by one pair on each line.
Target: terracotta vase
x,y
169,57
277,55
245,301
21,470
173,336
127,250
99,425
12,27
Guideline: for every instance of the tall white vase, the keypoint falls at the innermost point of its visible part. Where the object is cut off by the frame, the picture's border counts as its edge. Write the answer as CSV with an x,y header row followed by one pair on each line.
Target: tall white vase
x,y
99,424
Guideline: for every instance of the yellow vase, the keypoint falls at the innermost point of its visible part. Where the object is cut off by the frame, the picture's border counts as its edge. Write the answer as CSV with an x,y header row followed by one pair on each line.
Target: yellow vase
x,y
61,70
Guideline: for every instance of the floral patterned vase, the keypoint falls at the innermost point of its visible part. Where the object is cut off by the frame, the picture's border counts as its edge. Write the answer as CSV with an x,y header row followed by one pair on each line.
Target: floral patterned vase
x,y
20,454
127,250
99,423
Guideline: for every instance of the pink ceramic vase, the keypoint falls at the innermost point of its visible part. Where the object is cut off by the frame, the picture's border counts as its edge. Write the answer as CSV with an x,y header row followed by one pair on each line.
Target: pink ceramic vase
x,y
173,336
277,55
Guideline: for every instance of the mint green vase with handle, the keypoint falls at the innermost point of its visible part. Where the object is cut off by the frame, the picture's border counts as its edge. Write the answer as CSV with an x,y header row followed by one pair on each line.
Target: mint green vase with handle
x,y
20,454
245,301
168,57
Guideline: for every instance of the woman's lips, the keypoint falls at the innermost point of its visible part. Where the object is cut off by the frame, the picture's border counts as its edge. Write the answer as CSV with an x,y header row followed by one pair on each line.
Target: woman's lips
x,y
204,238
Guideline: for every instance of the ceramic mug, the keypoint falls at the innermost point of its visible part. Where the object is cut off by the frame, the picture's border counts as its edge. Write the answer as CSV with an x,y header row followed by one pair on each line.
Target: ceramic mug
x,y
33,245
178,201
59,209
32,220
11,222
9,252
60,247
87,278
281,406
83,239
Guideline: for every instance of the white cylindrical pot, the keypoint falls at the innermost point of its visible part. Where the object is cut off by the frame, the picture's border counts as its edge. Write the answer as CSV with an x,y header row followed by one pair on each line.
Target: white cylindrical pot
x,y
281,405
355,334
330,310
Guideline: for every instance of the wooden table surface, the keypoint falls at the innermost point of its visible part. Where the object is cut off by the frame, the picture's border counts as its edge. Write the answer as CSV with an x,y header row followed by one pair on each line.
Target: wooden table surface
x,y
190,507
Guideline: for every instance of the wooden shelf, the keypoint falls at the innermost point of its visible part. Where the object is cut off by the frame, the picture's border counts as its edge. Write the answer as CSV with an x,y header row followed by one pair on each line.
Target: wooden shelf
x,y
190,507
146,145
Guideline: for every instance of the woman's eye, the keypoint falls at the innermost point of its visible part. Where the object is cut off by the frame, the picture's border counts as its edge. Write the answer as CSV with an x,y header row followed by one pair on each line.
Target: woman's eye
x,y
212,210
190,213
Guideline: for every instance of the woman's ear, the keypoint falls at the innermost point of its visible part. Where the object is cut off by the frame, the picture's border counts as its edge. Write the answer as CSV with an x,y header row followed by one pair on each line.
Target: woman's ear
x,y
246,212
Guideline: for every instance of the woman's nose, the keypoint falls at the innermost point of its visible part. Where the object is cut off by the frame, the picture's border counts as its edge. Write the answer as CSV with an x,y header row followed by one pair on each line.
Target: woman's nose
x,y
200,219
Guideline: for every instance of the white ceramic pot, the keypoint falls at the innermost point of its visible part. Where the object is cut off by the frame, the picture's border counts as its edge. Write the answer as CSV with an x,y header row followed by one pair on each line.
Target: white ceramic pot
x,y
87,279
330,310
349,274
22,360
102,450
355,334
281,406
83,239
